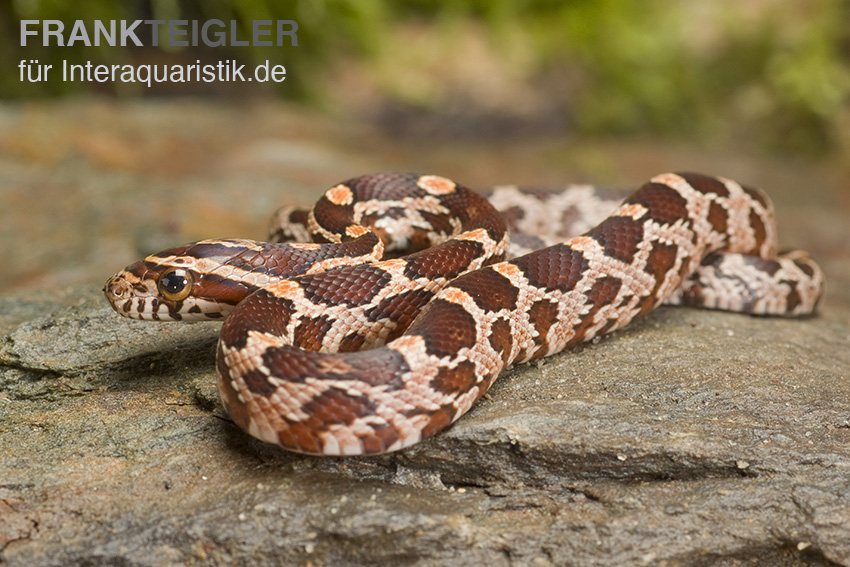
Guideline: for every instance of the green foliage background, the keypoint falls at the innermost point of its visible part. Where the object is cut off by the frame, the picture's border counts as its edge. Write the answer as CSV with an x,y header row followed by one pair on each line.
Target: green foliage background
x,y
776,71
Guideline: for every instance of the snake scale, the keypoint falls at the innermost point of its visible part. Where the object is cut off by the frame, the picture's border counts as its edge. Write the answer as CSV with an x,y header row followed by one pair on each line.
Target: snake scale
x,y
404,310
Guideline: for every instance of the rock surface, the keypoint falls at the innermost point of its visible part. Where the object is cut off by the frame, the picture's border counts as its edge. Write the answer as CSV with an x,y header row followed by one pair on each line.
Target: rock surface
x,y
689,438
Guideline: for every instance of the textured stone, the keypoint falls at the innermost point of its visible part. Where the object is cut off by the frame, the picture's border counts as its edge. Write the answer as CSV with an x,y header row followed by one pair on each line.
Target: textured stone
x,y
690,437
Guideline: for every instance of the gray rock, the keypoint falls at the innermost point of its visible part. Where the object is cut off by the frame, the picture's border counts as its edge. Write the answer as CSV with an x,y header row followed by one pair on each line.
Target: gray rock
x,y
690,438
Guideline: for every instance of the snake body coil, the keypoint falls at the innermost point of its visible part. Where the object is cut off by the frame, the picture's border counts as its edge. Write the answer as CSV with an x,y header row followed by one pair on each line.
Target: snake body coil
x,y
440,324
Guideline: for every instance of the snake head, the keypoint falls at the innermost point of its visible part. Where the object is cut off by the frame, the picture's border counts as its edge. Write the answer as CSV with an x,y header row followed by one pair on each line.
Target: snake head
x,y
193,282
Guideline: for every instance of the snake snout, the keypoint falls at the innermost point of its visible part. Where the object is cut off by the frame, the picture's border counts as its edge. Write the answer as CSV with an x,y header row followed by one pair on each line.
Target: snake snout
x,y
122,291
118,292
116,288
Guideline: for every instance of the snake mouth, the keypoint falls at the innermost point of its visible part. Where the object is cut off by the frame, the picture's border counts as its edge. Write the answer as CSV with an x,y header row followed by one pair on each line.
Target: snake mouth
x,y
131,296
139,298
118,295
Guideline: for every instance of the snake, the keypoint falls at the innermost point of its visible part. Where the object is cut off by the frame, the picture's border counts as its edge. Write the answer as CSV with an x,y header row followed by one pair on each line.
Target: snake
x,y
410,301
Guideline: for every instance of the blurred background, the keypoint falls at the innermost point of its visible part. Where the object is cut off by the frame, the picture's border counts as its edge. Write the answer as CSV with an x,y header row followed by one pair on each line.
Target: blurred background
x,y
485,91
771,69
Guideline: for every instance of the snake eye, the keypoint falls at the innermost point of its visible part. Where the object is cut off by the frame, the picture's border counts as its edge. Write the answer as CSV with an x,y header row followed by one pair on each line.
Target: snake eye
x,y
175,285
